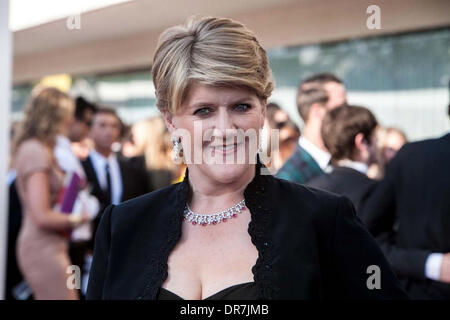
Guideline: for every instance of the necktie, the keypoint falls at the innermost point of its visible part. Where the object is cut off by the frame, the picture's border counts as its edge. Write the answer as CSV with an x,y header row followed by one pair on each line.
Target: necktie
x,y
108,185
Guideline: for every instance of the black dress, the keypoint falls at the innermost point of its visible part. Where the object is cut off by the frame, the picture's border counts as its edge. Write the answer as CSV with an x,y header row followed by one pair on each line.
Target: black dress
x,y
310,245
242,291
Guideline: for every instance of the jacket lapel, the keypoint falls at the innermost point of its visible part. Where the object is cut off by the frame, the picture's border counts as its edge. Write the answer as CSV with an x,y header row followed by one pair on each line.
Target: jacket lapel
x,y
91,175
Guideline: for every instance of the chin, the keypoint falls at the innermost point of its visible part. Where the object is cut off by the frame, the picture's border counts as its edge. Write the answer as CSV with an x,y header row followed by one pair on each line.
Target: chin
x,y
227,173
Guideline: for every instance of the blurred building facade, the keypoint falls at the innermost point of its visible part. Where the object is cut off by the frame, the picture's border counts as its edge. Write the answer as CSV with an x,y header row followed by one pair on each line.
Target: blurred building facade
x,y
401,71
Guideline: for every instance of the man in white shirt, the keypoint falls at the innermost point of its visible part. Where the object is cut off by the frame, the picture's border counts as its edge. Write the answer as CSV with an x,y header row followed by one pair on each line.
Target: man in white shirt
x,y
112,179
102,166
315,97
108,174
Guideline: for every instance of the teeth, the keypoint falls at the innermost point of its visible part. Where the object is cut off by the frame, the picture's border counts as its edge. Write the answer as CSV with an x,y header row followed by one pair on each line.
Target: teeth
x,y
226,148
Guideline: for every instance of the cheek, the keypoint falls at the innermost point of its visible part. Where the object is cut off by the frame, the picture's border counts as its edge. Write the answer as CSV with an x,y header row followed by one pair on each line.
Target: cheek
x,y
93,132
253,120
201,132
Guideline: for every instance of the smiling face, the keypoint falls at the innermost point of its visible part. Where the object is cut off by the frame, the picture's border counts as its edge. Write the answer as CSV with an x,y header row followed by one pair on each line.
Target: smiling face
x,y
214,119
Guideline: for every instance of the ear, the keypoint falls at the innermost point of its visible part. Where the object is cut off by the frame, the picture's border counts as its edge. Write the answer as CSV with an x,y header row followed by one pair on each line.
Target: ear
x,y
360,142
168,119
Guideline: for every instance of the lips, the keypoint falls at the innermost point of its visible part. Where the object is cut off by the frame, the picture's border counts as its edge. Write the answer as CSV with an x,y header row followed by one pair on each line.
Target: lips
x,y
229,148
225,148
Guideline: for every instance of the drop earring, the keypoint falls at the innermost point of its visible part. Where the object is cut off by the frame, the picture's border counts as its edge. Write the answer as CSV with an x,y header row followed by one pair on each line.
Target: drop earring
x,y
260,149
177,149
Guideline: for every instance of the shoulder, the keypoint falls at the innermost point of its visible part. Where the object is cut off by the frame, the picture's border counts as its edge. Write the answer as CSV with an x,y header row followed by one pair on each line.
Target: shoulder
x,y
298,208
147,208
344,174
33,146
300,167
294,160
418,147
320,181
289,188
420,153
33,152
134,165
308,201
156,198
136,162
87,160
338,179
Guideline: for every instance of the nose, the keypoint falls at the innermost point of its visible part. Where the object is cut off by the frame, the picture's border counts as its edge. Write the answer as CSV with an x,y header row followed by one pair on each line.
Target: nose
x,y
224,121
224,124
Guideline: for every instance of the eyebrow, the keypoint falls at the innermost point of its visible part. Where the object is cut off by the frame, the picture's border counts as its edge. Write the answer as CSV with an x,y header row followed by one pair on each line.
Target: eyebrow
x,y
233,103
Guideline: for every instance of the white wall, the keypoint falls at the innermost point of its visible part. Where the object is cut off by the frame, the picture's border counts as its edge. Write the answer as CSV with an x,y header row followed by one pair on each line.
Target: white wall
x,y
5,92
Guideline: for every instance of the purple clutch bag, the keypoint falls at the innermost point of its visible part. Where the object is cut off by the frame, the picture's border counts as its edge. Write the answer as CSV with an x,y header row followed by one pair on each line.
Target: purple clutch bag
x,y
70,193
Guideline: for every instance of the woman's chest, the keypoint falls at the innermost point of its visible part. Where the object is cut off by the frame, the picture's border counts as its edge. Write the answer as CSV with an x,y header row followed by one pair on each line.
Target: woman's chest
x,y
207,256
202,264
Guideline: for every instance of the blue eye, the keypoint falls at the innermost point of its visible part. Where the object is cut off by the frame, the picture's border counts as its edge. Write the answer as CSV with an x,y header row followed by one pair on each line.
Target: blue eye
x,y
202,111
242,107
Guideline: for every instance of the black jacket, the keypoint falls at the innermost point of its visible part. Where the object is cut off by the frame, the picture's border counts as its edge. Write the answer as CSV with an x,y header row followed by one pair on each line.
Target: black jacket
x,y
134,184
310,243
347,182
409,212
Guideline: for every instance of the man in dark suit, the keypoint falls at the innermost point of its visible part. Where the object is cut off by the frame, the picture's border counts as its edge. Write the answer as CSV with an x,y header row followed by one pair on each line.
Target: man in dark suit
x,y
316,95
349,134
409,213
112,178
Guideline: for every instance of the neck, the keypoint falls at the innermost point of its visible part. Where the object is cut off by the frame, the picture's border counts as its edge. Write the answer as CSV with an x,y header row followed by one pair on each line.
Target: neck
x,y
312,133
103,151
359,158
208,196
355,164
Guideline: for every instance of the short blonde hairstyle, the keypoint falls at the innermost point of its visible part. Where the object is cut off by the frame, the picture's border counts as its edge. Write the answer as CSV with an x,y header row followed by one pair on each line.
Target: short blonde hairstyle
x,y
44,115
212,51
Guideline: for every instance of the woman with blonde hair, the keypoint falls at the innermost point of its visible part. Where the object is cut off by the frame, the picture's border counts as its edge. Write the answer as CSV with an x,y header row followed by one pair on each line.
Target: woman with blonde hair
x,y
229,230
152,140
42,244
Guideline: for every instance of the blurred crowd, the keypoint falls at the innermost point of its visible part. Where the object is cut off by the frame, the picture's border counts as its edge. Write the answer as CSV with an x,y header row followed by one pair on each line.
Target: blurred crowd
x,y
401,192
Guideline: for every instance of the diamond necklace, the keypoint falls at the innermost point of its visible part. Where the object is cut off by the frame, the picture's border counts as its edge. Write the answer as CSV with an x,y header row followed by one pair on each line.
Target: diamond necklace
x,y
215,218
